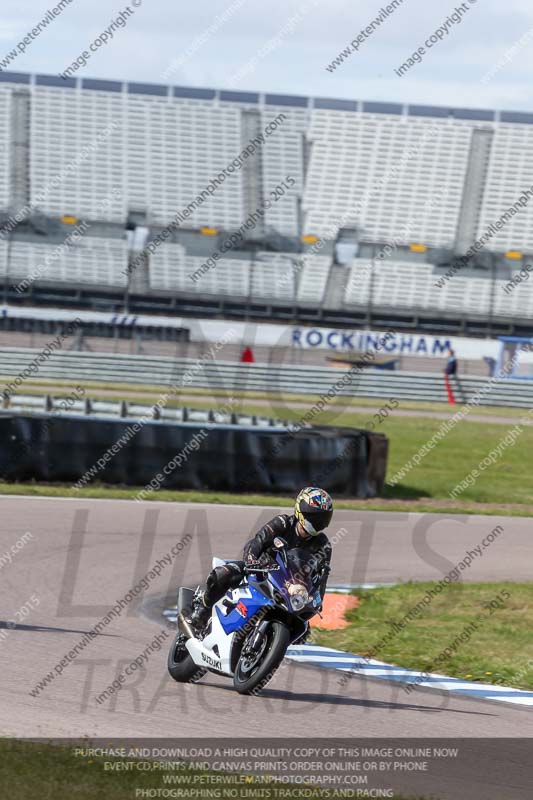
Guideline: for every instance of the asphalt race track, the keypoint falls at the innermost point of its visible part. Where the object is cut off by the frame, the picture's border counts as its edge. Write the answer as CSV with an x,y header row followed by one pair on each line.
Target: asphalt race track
x,y
84,555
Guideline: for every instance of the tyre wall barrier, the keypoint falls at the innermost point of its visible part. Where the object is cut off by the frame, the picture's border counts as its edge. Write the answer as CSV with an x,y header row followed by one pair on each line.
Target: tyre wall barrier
x,y
169,455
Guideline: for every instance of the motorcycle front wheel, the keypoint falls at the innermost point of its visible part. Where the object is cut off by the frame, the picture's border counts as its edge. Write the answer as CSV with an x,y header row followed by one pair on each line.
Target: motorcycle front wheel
x,y
255,668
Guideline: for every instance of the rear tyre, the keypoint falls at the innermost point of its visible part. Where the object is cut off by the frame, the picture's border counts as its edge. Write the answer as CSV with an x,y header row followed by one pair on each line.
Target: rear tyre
x,y
254,672
180,664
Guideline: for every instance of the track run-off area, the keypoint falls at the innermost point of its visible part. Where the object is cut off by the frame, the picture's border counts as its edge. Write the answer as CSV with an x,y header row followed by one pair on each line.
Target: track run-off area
x,y
84,556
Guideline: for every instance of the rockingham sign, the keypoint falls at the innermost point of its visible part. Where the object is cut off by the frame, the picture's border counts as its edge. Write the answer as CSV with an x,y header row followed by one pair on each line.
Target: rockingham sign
x,y
399,344
340,340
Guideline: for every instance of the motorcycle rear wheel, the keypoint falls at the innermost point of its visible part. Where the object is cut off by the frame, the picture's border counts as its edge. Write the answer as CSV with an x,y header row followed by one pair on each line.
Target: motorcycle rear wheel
x,y
180,664
250,677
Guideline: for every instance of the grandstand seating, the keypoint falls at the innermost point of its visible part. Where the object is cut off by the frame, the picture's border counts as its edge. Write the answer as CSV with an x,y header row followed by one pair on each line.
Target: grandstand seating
x,y
113,151
272,276
516,304
408,285
313,279
167,268
269,276
510,172
392,171
171,270
362,171
3,257
5,117
283,157
159,154
91,260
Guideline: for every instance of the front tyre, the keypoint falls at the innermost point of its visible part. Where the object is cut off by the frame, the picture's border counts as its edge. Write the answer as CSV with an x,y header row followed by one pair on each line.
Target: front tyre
x,y
180,664
255,669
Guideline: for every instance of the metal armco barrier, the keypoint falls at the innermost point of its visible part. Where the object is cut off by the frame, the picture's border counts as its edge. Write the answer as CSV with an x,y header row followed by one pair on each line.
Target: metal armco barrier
x,y
267,379
221,457
48,404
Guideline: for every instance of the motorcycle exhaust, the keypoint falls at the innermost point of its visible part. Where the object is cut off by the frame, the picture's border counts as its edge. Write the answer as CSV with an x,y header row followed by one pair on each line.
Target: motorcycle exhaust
x,y
185,598
184,626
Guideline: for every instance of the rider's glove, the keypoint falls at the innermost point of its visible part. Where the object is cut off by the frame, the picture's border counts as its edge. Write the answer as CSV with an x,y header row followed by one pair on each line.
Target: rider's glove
x,y
252,562
263,563
268,566
267,560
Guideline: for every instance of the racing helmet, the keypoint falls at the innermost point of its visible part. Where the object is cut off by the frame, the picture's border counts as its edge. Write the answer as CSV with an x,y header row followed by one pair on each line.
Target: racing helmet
x,y
313,509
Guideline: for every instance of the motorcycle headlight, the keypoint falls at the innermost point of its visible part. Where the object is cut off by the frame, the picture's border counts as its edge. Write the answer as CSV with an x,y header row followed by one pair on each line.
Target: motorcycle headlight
x,y
299,596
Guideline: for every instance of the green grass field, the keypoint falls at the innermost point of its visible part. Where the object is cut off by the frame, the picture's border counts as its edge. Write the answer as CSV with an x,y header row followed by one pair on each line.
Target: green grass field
x,y
34,771
146,393
505,483
99,491
506,487
500,651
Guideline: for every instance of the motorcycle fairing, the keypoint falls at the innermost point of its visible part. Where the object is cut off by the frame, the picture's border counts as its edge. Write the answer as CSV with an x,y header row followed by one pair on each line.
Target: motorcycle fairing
x,y
248,600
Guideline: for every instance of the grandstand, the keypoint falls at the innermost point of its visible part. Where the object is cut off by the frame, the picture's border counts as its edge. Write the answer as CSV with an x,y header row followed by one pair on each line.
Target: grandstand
x,y
97,261
410,187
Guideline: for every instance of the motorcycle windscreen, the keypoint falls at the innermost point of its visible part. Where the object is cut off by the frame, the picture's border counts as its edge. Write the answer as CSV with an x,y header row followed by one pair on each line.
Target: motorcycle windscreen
x,y
302,567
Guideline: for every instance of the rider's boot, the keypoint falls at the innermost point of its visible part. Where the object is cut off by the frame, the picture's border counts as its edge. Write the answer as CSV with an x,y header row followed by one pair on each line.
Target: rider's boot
x,y
200,612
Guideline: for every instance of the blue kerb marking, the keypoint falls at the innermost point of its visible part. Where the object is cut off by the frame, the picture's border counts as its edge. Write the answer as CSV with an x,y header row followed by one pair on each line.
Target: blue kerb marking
x,y
316,656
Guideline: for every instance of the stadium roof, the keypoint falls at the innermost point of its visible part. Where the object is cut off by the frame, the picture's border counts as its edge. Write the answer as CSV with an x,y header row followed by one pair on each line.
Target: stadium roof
x,y
260,98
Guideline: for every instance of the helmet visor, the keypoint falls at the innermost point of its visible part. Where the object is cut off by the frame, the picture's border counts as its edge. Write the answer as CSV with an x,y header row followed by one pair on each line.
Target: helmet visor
x,y
316,522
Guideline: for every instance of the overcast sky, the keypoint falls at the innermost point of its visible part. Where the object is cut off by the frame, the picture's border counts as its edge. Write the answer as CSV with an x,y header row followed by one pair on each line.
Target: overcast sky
x,y
160,44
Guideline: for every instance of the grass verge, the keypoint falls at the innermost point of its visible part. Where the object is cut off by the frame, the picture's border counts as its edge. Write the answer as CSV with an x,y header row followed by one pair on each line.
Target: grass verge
x,y
146,393
103,492
35,771
505,487
499,651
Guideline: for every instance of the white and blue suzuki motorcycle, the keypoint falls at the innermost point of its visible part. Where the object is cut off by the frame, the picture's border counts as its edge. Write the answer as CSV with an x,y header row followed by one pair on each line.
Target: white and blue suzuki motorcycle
x,y
252,626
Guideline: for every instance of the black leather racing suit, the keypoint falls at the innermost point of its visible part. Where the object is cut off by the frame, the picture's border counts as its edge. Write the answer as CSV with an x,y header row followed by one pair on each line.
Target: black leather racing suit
x,y
259,548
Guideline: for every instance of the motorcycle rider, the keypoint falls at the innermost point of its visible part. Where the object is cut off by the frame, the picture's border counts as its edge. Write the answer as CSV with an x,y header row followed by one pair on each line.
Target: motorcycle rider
x,y
313,511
